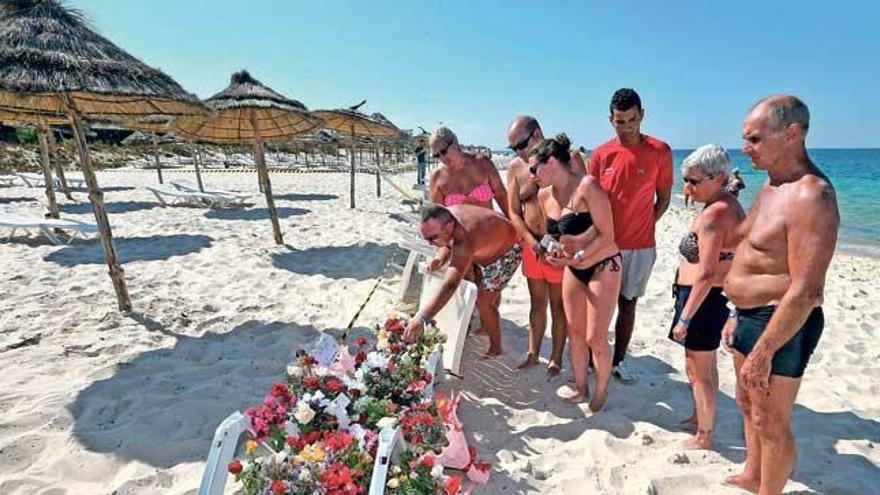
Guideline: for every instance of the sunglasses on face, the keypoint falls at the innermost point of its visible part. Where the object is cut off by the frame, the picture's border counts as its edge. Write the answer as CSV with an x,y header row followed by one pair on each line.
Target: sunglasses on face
x,y
535,166
441,152
431,238
695,182
522,144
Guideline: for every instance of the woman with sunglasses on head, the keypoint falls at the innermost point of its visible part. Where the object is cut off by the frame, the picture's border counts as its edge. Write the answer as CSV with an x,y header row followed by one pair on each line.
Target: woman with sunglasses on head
x,y
578,214
700,306
463,177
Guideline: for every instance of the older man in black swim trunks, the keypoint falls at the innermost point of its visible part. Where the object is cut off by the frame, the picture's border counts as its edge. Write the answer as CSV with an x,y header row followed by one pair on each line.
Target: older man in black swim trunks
x,y
776,282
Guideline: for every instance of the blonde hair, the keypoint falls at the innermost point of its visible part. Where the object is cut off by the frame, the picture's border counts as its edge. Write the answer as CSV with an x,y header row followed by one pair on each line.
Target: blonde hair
x,y
443,135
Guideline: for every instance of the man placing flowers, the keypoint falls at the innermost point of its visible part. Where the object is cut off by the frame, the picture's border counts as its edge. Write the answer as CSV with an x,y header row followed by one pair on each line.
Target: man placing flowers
x,y
481,246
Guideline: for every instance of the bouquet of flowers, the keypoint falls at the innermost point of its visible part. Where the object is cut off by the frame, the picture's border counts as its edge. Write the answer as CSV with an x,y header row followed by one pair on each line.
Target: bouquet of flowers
x,y
319,428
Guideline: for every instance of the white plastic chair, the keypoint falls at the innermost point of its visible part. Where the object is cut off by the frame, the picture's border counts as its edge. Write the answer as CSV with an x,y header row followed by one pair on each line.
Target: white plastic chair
x,y
454,318
222,451
189,186
8,180
172,196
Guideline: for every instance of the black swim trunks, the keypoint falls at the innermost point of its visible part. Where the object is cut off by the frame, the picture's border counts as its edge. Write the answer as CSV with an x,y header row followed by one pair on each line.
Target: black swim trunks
x,y
791,359
704,331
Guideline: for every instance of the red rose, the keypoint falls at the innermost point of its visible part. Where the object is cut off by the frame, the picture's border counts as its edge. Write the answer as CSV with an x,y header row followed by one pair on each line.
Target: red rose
x,y
334,385
279,389
428,462
392,408
234,467
311,437
392,366
452,486
416,439
311,382
279,487
361,341
393,326
360,357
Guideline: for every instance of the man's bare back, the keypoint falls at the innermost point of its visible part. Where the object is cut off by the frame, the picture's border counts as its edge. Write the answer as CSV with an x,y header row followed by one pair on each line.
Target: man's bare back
x,y
487,233
760,274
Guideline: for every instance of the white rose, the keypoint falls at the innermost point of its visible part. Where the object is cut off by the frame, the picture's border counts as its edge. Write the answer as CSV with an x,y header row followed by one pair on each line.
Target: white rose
x,y
294,370
393,483
395,470
437,471
321,370
382,345
304,413
279,457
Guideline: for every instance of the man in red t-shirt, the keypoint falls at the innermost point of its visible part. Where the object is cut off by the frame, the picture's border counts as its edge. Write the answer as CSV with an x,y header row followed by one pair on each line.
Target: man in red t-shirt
x,y
636,171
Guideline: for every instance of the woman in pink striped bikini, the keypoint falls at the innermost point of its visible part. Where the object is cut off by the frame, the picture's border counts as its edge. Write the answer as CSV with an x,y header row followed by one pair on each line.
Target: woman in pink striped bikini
x,y
465,178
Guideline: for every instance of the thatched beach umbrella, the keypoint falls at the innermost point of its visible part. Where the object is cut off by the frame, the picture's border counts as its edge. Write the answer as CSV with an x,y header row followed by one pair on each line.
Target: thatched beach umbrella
x,y
53,64
249,112
351,121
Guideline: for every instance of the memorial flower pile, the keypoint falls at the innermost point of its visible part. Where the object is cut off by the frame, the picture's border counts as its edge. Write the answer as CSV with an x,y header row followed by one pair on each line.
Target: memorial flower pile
x,y
318,431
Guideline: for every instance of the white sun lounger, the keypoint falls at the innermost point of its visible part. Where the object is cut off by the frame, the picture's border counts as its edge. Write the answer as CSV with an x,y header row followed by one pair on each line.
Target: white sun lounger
x,y
46,226
37,180
417,248
172,196
185,185
8,180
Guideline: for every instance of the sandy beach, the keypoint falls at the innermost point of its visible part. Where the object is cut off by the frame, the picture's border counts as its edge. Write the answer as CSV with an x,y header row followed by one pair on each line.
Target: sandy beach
x,y
93,401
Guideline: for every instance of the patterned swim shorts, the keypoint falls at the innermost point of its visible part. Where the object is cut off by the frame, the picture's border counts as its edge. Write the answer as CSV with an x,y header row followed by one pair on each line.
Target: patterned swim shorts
x,y
497,274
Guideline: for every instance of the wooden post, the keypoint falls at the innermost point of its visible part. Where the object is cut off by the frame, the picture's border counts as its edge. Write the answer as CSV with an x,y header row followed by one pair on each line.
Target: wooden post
x,y
196,161
156,157
96,196
263,174
42,135
378,178
55,157
351,156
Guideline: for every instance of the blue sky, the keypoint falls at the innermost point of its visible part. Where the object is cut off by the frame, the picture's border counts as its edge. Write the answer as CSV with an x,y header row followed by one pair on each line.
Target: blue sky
x,y
474,65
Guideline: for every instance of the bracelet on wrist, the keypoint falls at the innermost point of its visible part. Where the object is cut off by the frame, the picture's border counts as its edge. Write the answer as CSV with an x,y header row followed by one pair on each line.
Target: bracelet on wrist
x,y
685,321
424,319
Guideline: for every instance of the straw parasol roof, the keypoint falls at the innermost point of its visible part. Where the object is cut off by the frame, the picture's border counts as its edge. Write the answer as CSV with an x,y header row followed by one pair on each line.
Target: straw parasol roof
x,y
47,49
350,121
278,117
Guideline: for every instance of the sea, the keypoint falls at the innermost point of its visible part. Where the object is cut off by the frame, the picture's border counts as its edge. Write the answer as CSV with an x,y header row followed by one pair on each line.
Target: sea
x,y
855,174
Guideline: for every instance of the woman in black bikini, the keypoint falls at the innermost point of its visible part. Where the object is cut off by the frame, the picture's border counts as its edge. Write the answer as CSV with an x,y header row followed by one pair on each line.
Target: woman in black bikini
x,y
700,306
578,216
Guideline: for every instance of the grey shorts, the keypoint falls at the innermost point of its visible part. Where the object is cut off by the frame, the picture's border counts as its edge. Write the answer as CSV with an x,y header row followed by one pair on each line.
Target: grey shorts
x,y
637,265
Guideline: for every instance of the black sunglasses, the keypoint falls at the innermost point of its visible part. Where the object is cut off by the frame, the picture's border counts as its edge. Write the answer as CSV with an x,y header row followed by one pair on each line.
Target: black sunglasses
x,y
522,144
535,166
431,238
441,152
695,182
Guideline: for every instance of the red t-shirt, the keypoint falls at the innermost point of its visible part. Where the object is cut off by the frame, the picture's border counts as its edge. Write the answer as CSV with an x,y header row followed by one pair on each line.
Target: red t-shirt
x,y
631,176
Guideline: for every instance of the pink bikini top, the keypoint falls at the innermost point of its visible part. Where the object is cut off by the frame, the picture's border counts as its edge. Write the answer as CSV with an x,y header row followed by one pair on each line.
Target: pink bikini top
x,y
482,193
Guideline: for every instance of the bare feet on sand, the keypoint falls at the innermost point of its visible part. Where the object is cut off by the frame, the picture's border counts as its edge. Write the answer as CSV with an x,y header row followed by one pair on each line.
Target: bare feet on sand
x,y
553,369
743,481
530,361
576,397
598,401
700,441
492,353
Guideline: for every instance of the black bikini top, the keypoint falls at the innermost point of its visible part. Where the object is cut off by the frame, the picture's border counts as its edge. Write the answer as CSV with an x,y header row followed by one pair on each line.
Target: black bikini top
x,y
689,248
570,224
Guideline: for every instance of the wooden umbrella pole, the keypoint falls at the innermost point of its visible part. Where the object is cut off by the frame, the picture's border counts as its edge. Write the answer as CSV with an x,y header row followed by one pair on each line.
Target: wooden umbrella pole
x,y
47,171
263,173
196,161
378,178
351,156
156,157
59,167
96,196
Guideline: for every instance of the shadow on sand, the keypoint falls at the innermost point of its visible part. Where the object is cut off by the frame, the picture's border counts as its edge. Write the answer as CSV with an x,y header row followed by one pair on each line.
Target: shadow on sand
x,y
306,197
113,207
17,199
253,213
361,262
656,398
162,407
153,248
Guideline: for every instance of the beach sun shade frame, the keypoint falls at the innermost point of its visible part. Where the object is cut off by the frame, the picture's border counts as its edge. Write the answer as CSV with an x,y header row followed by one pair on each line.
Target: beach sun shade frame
x,y
248,111
54,66
356,124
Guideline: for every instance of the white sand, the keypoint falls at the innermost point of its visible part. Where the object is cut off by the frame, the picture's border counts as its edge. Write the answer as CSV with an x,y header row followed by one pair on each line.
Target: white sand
x,y
95,402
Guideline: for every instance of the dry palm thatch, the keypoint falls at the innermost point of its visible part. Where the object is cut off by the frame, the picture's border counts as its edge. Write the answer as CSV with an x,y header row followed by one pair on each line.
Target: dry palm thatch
x,y
354,123
47,49
248,111
278,118
53,64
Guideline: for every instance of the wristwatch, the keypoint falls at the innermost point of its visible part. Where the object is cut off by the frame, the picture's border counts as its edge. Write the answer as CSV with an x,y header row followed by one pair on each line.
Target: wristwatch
x,y
424,319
